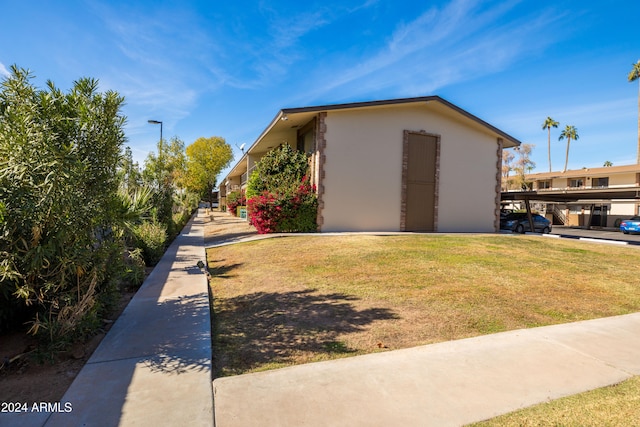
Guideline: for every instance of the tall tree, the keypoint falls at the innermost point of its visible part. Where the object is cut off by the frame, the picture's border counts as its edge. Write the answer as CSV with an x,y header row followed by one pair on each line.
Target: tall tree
x,y
548,124
206,158
164,172
167,167
569,132
523,163
507,167
633,76
129,171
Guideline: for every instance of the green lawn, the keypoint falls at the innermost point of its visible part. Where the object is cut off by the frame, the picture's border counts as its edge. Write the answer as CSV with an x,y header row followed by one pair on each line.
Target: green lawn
x,y
618,405
286,301
294,300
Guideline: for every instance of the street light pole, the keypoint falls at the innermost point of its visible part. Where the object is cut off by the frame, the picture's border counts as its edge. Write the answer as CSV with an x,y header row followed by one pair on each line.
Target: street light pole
x,y
157,122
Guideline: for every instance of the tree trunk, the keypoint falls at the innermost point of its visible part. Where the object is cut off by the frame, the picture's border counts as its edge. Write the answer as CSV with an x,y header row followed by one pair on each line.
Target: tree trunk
x,y
638,121
566,162
549,148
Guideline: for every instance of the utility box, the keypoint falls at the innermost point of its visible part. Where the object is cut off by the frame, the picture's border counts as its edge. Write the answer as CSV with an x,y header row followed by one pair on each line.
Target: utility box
x,y
242,212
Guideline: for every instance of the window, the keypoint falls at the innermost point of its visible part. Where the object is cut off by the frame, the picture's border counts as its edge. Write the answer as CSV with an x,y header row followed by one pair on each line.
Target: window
x,y
544,185
576,183
600,182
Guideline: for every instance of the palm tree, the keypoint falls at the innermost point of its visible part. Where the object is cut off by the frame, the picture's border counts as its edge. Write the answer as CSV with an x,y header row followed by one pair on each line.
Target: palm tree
x,y
607,164
548,124
569,132
635,75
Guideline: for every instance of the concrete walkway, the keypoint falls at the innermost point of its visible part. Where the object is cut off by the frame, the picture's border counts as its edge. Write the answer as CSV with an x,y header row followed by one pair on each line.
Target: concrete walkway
x,y
153,368
447,384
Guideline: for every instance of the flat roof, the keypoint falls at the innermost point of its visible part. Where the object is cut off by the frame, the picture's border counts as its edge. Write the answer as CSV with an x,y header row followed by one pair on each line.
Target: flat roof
x,y
569,195
604,171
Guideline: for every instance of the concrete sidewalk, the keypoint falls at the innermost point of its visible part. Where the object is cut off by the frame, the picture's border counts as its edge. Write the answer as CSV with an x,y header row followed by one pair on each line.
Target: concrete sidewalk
x,y
154,365
447,384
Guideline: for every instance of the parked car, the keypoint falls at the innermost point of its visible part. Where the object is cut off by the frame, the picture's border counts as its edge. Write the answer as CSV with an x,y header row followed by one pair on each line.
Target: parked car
x,y
631,225
519,223
505,212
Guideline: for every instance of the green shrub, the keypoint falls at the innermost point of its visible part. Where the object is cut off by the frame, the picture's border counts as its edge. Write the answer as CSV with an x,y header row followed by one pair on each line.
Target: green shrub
x,y
280,171
59,154
180,219
134,268
281,198
151,238
255,185
303,218
235,199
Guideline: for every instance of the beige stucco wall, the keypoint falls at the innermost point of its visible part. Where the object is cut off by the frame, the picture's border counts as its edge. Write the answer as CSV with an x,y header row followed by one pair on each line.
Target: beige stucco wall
x,y
559,183
625,208
363,170
622,179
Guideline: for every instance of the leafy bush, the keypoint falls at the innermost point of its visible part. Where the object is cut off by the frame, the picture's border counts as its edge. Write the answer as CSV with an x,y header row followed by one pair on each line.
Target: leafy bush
x,y
281,198
235,199
185,205
59,154
180,219
286,213
255,184
265,212
134,268
280,171
151,238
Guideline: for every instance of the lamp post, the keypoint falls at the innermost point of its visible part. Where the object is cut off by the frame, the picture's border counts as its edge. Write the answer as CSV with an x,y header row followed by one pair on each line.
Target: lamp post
x,y
157,122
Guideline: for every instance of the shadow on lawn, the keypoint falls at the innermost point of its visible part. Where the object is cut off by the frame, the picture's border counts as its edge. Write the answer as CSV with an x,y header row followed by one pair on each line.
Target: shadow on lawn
x,y
222,271
270,328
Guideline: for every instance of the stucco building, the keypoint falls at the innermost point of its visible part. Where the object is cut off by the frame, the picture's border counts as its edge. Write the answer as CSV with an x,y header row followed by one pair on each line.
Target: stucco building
x,y
595,196
413,164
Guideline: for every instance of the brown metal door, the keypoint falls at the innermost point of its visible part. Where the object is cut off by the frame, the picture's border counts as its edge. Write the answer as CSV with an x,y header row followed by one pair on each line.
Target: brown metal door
x,y
421,182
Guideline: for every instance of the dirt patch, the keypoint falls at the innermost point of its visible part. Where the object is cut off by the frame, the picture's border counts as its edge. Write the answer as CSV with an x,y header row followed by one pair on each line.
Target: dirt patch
x,y
25,379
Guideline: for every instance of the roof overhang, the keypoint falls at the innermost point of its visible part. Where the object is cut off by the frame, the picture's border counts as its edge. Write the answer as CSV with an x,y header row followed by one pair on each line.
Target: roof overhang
x,y
434,102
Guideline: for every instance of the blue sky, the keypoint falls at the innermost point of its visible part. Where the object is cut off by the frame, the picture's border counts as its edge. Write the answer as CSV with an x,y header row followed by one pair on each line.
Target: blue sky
x,y
209,68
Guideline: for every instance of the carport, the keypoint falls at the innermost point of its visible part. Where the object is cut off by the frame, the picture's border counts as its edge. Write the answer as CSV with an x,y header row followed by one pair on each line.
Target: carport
x,y
589,196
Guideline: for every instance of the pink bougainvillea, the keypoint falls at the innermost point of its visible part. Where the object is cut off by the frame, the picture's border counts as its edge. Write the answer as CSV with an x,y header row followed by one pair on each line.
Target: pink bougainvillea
x,y
294,212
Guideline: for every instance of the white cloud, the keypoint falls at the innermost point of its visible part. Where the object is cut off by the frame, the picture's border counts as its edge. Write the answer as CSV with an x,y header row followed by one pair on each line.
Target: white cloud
x,y
153,66
276,45
461,41
3,70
